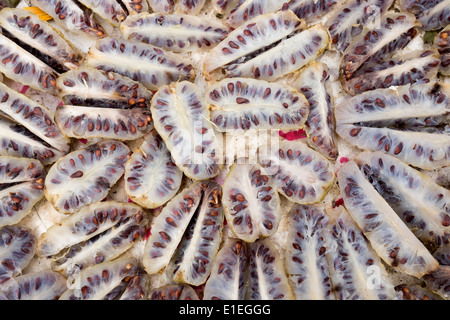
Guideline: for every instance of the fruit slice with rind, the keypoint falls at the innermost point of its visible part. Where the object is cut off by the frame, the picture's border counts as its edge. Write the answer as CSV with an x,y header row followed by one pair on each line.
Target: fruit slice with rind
x,y
438,281
151,177
192,262
91,87
17,248
382,39
21,187
101,247
388,235
305,256
181,117
259,33
251,203
395,121
40,38
286,57
191,7
174,32
21,66
267,279
420,202
94,169
348,18
17,141
314,83
168,228
40,285
442,44
109,123
311,10
72,17
153,67
227,279
82,225
433,14
174,292
356,270
419,66
243,104
110,10
299,173
35,117
99,282
244,11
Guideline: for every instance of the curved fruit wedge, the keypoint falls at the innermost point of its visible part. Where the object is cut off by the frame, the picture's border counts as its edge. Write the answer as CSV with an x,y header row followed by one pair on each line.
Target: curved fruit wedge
x,y
94,169
388,235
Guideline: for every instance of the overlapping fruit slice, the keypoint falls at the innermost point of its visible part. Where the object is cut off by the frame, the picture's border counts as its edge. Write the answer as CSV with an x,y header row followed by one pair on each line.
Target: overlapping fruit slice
x,y
420,202
174,32
40,285
228,279
311,10
93,169
314,83
251,203
348,18
192,262
433,14
71,15
267,47
191,7
306,248
104,281
299,173
181,118
442,255
40,39
152,66
415,292
438,281
17,248
186,235
151,177
97,233
21,187
442,44
388,235
356,270
136,6
240,12
267,279
174,292
243,104
408,122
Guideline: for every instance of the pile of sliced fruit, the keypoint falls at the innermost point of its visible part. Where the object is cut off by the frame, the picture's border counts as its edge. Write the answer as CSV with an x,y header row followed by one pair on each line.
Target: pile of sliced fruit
x,y
225,149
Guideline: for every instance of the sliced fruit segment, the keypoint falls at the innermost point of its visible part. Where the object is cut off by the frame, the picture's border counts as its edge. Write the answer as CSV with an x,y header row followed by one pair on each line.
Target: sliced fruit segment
x,y
432,14
388,235
442,44
417,199
299,173
94,169
442,255
191,7
181,118
21,187
244,104
438,281
243,11
266,274
40,39
314,83
17,248
311,10
408,122
348,18
151,177
169,227
251,203
415,292
153,67
174,32
305,256
356,270
256,36
174,292
227,280
110,10
71,16
192,262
